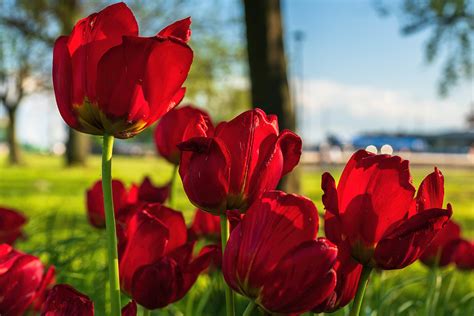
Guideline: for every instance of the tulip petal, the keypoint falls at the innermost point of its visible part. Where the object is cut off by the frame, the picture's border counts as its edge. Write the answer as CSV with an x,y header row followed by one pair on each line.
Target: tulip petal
x,y
291,147
62,81
464,254
64,300
157,285
405,244
11,223
374,192
249,137
271,227
207,188
431,191
437,253
20,277
44,288
90,39
144,232
147,192
304,277
130,309
167,68
179,29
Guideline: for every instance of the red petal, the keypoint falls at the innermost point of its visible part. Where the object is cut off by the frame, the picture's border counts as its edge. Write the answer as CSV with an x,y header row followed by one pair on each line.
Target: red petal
x,y
62,81
276,157
11,223
90,39
464,255
120,74
374,191
64,300
95,201
405,244
207,188
144,232
20,277
249,137
178,126
168,66
435,253
304,277
130,309
147,192
206,225
179,29
271,227
158,284
431,191
43,290
173,221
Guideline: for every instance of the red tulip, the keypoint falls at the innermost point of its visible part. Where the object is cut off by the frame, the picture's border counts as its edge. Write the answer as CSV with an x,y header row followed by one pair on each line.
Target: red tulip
x,y
464,254
107,80
178,126
64,300
205,225
147,192
348,274
95,201
440,251
11,223
43,291
248,156
374,210
156,263
21,280
274,258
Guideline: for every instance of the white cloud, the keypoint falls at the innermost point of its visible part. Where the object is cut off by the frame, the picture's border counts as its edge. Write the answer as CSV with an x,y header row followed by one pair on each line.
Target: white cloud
x,y
334,107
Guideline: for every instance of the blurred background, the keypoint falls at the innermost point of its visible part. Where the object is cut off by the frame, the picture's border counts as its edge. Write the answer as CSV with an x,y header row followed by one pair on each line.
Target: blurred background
x,y
344,74
389,76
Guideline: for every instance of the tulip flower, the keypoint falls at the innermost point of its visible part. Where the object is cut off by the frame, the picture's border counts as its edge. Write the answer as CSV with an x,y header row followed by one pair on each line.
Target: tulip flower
x,y
147,192
440,251
348,274
64,300
107,80
11,223
374,212
464,255
248,156
274,258
95,201
204,225
157,267
374,209
178,126
22,280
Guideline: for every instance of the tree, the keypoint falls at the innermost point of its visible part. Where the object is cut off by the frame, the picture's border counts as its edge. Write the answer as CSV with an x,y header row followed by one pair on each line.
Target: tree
x,y
268,67
42,22
452,32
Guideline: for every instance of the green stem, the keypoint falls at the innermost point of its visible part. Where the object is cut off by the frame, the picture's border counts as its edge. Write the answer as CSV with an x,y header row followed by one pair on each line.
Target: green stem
x,y
146,312
107,147
364,279
248,311
172,198
229,296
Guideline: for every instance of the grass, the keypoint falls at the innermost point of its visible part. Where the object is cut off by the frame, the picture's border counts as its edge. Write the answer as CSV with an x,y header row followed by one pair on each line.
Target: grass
x,y
53,198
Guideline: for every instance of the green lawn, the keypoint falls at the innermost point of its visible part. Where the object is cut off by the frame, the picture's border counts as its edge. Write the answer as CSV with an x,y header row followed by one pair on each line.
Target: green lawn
x,y
52,197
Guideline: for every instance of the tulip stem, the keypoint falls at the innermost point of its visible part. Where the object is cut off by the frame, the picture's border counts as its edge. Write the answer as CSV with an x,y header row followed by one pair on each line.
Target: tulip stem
x,y
364,279
229,296
248,311
146,312
107,148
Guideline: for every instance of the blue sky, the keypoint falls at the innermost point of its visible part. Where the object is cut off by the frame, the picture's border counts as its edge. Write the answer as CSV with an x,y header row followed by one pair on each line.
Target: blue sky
x,y
361,74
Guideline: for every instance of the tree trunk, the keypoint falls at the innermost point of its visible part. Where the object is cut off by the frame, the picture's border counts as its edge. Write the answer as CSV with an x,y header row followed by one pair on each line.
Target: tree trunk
x,y
77,148
267,63
14,155
78,144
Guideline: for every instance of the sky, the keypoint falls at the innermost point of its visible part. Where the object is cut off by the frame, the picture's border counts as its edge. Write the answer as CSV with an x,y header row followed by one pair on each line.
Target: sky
x,y
359,74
